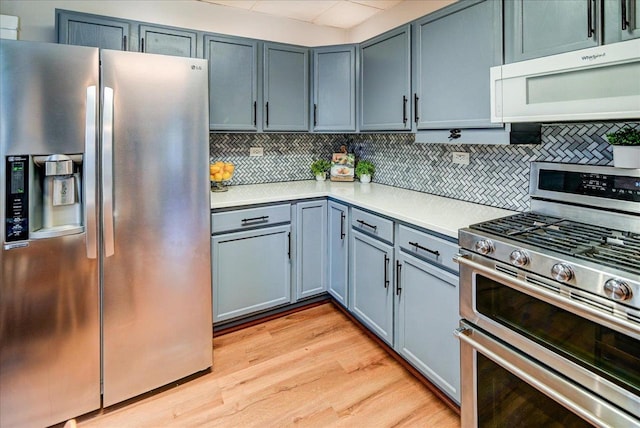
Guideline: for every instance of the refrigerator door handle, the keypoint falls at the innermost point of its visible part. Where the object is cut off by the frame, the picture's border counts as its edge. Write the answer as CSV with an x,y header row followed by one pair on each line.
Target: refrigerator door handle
x,y
90,174
107,172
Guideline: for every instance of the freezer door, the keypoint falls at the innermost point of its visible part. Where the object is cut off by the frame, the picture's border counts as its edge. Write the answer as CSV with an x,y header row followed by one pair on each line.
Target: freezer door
x,y
157,321
49,293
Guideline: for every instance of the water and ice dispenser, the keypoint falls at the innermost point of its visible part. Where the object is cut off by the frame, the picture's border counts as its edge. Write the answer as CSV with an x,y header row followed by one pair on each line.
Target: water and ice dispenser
x,y
44,196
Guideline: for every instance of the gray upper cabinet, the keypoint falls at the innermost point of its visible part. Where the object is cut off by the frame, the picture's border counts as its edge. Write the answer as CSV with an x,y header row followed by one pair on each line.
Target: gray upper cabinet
x,y
535,28
622,20
385,81
167,41
453,51
91,30
334,88
233,82
286,88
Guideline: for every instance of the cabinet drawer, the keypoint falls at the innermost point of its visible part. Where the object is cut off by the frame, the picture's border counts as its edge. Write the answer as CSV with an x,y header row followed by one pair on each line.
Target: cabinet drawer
x,y
250,218
428,247
372,224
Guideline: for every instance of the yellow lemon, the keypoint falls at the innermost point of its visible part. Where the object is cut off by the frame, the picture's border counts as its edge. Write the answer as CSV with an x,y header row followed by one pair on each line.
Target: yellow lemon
x,y
217,176
228,167
226,175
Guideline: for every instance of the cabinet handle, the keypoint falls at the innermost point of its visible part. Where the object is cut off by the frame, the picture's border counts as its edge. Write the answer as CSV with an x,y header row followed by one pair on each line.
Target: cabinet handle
x,y
364,223
404,109
255,113
398,274
267,118
315,114
255,219
590,29
625,21
454,134
434,252
416,98
124,43
289,250
142,44
342,234
386,271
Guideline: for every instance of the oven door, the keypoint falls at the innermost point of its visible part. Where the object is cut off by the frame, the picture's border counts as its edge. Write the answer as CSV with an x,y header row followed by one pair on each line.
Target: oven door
x,y
508,389
592,346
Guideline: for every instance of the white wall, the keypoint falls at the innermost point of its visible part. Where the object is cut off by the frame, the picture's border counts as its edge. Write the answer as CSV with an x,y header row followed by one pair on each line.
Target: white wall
x,y
37,19
402,13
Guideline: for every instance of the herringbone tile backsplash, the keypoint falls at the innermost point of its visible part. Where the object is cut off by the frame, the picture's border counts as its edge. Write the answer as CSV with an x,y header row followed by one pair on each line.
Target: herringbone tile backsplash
x,y
496,176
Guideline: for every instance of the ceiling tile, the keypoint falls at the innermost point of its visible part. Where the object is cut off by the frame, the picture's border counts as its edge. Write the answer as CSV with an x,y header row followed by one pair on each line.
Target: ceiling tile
x,y
345,15
378,4
306,10
240,4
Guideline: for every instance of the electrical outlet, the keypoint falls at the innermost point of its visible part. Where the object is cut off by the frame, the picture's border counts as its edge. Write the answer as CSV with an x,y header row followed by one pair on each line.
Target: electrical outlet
x,y
256,151
461,158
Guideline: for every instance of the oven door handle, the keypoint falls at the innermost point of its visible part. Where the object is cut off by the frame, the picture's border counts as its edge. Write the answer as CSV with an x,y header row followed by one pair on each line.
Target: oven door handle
x,y
547,382
585,311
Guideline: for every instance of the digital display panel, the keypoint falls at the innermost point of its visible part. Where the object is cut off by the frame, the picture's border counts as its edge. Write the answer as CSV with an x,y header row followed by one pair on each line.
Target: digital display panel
x,y
622,188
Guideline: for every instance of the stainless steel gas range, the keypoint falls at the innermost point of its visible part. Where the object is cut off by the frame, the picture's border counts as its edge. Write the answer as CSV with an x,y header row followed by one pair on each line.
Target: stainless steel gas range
x,y
550,301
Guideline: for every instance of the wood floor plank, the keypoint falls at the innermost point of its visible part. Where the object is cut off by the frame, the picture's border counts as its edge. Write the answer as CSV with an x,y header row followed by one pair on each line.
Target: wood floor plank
x,y
313,368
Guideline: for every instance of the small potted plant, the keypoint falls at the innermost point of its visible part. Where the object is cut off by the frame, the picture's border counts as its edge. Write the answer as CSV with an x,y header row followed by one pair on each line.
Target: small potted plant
x,y
364,171
626,147
319,168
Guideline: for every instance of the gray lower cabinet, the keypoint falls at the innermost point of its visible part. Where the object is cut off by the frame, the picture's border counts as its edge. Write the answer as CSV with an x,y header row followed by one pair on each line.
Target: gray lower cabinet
x,y
334,88
251,260
311,248
285,88
385,81
427,314
338,242
371,287
233,83
453,51
535,28
166,41
251,271
91,30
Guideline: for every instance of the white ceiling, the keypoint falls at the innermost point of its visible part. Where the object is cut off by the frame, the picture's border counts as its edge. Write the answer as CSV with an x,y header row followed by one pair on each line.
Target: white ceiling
x,y
333,13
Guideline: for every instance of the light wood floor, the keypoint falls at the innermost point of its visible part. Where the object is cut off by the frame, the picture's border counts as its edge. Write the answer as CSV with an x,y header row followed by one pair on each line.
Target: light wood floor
x,y
314,368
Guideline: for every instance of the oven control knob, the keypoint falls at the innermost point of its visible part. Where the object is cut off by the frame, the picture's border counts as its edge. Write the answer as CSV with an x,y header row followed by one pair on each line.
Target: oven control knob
x,y
562,272
519,258
484,246
617,290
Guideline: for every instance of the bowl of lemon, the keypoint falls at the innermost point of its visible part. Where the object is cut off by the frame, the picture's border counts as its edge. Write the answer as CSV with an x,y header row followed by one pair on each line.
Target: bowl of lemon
x,y
219,174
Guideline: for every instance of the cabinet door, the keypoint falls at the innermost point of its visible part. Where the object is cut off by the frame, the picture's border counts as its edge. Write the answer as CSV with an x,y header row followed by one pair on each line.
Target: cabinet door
x,y
535,28
622,20
233,82
371,285
251,271
311,248
454,50
338,233
286,88
334,88
385,82
88,30
427,300
167,41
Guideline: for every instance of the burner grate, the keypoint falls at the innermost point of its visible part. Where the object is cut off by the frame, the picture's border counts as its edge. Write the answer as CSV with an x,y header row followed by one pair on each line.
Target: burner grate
x,y
606,246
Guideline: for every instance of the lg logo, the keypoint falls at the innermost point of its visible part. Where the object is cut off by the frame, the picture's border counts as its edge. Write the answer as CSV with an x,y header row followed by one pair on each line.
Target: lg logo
x,y
196,67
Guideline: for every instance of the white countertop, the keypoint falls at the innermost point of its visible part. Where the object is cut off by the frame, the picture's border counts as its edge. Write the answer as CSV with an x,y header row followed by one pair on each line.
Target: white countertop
x,y
436,213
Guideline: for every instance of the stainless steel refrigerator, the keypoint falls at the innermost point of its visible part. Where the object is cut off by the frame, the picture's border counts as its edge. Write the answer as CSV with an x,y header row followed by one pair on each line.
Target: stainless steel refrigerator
x,y
105,282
